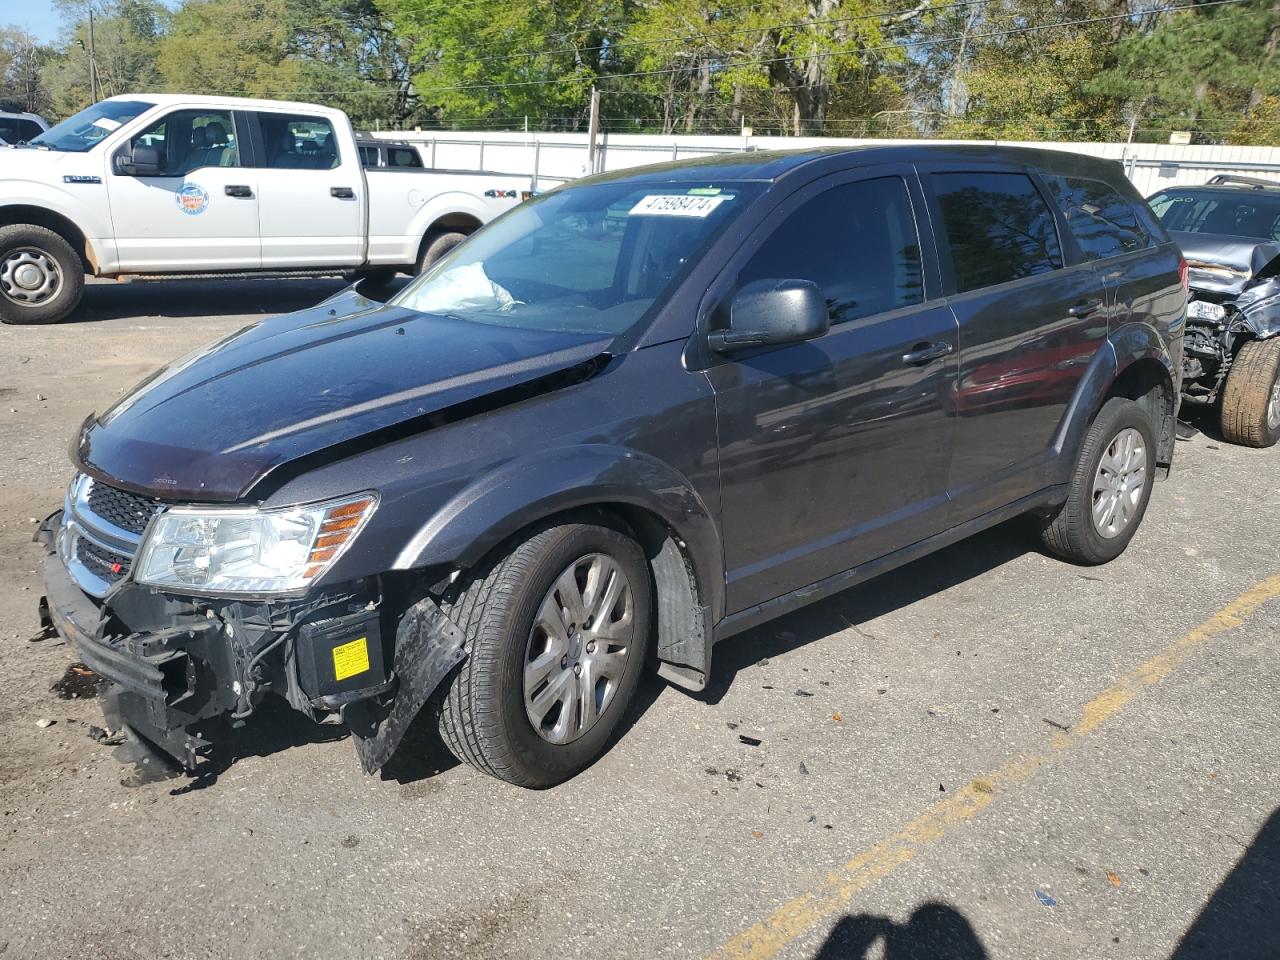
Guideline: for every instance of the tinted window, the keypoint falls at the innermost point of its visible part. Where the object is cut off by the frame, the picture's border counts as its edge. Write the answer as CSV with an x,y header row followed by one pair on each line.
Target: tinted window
x,y
998,226
191,139
1235,213
9,130
28,129
369,156
857,242
298,143
1103,222
403,157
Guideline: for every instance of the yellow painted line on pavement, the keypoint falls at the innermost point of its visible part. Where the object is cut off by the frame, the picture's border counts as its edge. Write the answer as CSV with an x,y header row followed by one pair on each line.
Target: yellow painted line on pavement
x,y
833,895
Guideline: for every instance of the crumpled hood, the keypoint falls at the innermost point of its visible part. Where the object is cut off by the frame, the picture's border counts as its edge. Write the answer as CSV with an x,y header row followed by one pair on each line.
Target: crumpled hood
x,y
210,426
1225,265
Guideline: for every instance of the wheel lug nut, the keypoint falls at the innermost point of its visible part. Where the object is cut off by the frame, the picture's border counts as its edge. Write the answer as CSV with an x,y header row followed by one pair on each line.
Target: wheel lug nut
x,y
564,662
591,646
577,669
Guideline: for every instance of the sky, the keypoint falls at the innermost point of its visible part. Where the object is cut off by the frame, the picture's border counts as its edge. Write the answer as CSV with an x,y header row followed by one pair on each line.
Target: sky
x,y
38,16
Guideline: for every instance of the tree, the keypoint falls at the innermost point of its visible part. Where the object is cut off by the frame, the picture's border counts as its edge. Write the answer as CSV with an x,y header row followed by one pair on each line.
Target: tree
x,y
22,61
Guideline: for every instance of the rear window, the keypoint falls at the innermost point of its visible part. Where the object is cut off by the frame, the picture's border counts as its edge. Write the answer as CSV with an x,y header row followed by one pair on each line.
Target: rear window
x,y
998,227
1102,221
403,157
1254,214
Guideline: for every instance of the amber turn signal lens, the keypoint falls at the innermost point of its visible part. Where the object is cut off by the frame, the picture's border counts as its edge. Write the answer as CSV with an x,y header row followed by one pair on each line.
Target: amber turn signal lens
x,y
336,528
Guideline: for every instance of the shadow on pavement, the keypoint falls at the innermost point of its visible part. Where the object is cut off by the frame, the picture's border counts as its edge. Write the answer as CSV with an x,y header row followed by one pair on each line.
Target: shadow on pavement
x,y
890,591
137,299
1242,919
934,931
273,727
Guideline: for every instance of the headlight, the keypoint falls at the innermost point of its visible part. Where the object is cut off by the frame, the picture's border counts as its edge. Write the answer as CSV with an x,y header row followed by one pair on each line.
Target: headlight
x,y
246,550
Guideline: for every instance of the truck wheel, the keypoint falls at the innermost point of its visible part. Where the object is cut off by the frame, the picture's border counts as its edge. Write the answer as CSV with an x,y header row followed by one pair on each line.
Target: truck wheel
x,y
1251,398
41,277
1109,488
438,247
557,633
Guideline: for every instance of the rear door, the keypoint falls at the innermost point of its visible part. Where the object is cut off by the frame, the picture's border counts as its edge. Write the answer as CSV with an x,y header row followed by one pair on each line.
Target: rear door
x,y
201,213
312,192
835,451
1031,314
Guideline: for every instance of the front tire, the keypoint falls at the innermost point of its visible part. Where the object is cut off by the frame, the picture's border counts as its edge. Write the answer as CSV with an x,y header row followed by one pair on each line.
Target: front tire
x,y
1110,487
1251,397
41,277
438,247
557,632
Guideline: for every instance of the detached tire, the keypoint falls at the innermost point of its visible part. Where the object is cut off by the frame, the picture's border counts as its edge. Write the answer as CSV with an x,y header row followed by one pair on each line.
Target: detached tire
x,y
1109,488
438,247
41,277
557,633
1251,398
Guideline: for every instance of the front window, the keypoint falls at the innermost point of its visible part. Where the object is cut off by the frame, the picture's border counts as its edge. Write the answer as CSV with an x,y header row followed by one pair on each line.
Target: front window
x,y
191,139
83,132
591,259
1254,214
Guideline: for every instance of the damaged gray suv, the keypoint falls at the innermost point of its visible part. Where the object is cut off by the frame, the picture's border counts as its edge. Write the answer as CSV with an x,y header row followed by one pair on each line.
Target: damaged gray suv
x,y
632,418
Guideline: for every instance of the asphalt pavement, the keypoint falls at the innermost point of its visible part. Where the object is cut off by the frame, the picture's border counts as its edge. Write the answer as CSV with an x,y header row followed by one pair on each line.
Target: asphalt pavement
x,y
988,753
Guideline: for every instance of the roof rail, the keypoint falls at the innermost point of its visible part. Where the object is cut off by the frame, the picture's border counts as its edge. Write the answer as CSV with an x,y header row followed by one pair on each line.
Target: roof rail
x,y
1228,179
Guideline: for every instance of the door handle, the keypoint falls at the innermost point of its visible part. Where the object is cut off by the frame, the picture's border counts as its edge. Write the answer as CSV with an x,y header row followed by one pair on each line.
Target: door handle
x,y
342,193
237,190
1084,308
925,352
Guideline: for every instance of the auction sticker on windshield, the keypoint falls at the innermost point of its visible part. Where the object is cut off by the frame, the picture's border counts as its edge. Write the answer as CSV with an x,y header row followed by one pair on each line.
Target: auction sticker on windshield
x,y
676,205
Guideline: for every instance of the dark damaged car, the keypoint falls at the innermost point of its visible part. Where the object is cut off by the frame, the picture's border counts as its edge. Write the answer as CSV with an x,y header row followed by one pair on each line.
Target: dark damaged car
x,y
1229,232
633,418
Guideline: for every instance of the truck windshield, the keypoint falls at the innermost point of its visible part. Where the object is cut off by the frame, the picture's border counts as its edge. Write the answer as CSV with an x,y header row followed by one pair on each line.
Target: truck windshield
x,y
81,132
593,258
1233,213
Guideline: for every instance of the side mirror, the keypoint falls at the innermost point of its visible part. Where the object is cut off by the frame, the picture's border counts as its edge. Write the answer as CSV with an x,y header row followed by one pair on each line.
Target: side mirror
x,y
141,162
767,313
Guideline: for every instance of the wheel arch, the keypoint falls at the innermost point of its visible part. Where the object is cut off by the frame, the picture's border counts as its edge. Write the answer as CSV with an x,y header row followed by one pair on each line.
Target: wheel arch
x,y
14,214
668,518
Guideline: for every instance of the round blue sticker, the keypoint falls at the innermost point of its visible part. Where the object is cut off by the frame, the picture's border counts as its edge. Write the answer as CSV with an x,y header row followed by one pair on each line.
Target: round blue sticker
x,y
192,199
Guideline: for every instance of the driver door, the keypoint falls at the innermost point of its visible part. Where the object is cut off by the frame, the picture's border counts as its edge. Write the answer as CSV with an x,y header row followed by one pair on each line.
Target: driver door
x,y
835,451
201,213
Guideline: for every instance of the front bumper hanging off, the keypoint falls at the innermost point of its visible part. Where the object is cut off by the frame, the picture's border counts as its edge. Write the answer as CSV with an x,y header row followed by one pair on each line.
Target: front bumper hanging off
x,y
179,668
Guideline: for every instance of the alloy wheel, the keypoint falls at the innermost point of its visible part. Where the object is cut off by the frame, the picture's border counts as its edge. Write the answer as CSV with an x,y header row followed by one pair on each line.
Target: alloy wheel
x,y
578,648
1119,483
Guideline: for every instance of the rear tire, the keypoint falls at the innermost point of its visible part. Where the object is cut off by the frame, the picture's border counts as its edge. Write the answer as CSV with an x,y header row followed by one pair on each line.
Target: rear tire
x,y
486,715
1106,501
41,276
1251,398
438,247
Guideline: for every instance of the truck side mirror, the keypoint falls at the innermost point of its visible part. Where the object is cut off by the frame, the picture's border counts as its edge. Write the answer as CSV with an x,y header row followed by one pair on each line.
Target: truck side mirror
x,y
141,161
768,313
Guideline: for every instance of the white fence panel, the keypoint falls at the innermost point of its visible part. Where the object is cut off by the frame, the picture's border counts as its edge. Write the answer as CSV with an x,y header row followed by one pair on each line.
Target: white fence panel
x,y
554,157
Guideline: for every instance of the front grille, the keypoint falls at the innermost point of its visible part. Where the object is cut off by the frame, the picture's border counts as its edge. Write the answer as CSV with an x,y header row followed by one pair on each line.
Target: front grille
x,y
128,511
103,564
102,529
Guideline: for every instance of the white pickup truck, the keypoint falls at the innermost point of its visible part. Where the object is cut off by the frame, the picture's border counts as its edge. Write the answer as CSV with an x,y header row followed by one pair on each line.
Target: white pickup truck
x,y
165,184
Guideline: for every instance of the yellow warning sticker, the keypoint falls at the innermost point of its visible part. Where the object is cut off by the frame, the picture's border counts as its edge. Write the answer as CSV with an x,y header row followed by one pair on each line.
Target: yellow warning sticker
x,y
350,659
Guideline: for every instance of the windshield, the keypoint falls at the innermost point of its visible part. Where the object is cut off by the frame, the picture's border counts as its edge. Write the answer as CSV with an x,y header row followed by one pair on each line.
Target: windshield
x,y
82,131
589,259
1253,213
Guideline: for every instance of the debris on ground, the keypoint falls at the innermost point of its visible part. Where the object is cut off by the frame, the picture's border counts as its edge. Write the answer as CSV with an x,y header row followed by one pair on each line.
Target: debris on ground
x,y
757,834
46,633
881,691
78,683
837,718
44,722
813,818
733,776
749,741
731,725
941,788
762,662
803,693
1113,878
106,737
1046,899
804,771
1056,725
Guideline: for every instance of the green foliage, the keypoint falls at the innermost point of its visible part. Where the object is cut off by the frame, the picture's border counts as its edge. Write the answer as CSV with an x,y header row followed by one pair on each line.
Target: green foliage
x,y
1007,69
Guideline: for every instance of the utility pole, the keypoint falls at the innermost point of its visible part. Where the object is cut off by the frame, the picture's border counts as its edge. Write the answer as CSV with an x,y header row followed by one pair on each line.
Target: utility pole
x,y
593,130
93,64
